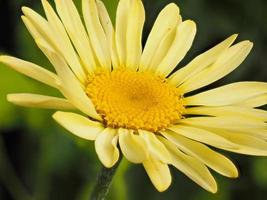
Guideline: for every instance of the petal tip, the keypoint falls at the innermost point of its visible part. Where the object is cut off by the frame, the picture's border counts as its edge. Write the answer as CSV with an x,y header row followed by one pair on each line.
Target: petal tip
x,y
25,9
3,58
56,115
173,5
24,19
163,187
191,23
234,36
9,98
107,164
235,174
214,190
251,44
247,43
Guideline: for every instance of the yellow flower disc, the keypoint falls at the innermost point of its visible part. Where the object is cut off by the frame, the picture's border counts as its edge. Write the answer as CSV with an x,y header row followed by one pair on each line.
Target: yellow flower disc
x,y
134,100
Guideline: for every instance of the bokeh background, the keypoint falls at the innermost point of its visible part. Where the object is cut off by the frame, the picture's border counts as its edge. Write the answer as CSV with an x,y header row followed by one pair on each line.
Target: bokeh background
x,y
40,160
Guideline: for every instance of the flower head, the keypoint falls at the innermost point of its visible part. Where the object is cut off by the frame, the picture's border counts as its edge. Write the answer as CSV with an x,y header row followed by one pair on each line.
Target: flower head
x,y
133,99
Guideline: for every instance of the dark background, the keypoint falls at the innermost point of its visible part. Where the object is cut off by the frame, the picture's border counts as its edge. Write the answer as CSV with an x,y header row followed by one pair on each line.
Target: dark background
x,y
40,160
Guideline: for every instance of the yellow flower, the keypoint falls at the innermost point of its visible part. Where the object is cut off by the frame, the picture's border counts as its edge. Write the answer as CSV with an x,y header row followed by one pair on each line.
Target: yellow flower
x,y
132,98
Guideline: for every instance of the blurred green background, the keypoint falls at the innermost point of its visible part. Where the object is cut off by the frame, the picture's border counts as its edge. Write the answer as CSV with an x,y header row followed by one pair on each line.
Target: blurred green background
x,y
40,160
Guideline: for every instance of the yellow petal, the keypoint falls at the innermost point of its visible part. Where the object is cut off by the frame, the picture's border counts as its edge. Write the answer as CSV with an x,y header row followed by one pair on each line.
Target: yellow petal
x,y
244,125
109,31
226,63
202,136
230,94
132,146
63,42
79,125
105,20
167,20
76,31
231,123
35,33
231,111
121,29
136,19
185,35
40,101
32,70
191,167
159,174
255,101
162,49
96,33
69,85
156,149
38,26
200,62
54,22
212,159
54,39
106,147
257,132
246,144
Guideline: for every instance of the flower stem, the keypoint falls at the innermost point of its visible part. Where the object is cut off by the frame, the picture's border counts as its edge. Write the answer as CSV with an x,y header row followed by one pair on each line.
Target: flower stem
x,y
104,179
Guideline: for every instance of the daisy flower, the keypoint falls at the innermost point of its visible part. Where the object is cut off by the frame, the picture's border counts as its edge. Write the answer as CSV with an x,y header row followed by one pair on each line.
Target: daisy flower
x,y
131,98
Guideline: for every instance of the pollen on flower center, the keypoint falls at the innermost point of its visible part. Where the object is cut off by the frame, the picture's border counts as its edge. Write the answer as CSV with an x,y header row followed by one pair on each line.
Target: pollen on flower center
x,y
134,100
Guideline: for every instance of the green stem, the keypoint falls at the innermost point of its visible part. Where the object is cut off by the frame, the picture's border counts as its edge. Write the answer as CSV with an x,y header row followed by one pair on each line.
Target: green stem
x,y
9,177
104,179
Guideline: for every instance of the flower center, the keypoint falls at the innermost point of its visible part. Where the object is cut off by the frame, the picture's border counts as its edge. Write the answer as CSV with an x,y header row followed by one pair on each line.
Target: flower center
x,y
134,100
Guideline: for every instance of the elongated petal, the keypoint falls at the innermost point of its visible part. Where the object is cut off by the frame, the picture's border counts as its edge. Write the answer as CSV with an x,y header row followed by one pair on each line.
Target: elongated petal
x,y
256,101
212,159
159,174
76,31
79,125
109,31
163,48
241,125
121,29
54,38
62,40
191,167
230,94
105,20
70,86
54,22
200,62
246,144
35,32
225,64
202,135
32,70
167,20
106,147
156,149
231,111
257,132
136,20
96,33
230,123
132,146
185,35
40,101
